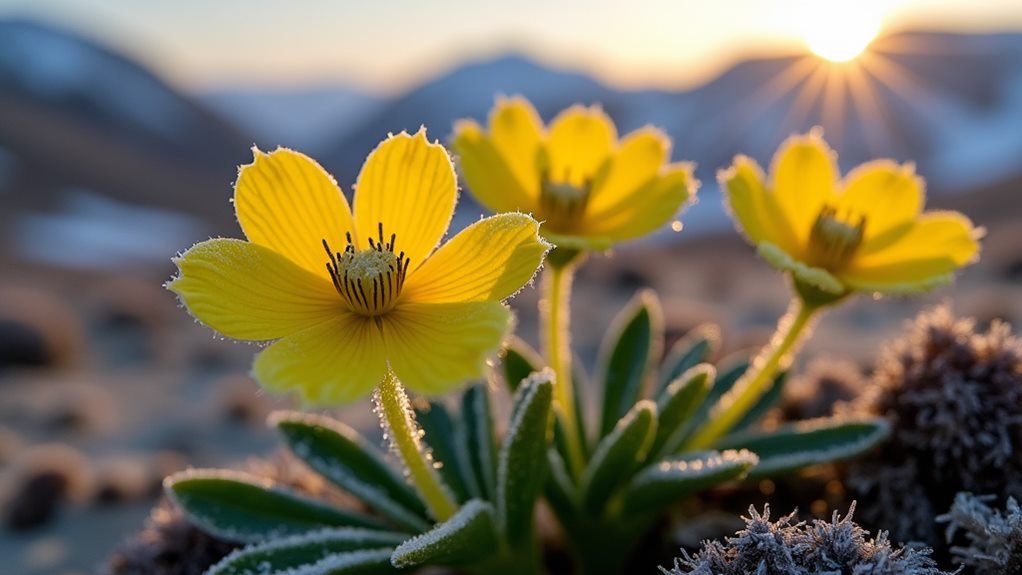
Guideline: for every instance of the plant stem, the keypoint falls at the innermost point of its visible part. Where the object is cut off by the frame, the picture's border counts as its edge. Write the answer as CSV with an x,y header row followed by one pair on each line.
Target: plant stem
x,y
555,314
399,422
775,356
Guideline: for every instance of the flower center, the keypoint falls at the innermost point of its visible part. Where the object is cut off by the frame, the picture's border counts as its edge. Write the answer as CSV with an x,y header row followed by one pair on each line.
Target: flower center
x,y
833,242
368,280
562,203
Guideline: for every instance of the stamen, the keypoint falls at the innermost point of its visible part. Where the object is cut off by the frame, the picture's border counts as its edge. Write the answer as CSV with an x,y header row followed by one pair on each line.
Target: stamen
x,y
833,241
563,203
369,280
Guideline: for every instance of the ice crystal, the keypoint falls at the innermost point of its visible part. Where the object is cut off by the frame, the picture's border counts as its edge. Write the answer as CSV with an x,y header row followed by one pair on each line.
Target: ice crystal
x,y
993,538
790,547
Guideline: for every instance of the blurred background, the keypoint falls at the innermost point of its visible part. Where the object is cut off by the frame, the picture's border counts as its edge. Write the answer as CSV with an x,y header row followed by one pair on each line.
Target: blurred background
x,y
122,125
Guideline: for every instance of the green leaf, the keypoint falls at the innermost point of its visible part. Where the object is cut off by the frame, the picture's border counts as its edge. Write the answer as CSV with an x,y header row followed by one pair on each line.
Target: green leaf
x,y
441,436
670,480
340,454
479,444
522,464
764,403
809,442
242,508
560,490
618,455
698,346
676,405
468,536
302,552
627,353
518,362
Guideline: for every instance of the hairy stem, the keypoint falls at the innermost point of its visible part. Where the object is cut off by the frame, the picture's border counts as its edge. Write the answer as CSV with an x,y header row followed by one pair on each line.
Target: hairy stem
x,y
399,422
775,356
555,314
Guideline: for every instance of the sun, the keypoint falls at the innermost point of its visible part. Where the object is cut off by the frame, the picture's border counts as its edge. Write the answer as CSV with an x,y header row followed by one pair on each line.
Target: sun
x,y
839,30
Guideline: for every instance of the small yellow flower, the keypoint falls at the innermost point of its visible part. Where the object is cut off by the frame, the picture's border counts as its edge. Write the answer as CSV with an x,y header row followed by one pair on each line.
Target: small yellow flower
x,y
349,296
589,189
865,233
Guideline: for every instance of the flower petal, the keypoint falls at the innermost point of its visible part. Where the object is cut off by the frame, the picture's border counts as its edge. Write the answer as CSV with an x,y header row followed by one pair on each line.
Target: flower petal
x,y
816,277
487,173
246,291
285,201
647,208
517,133
487,261
580,139
804,179
889,195
754,209
638,160
408,185
925,256
335,362
434,348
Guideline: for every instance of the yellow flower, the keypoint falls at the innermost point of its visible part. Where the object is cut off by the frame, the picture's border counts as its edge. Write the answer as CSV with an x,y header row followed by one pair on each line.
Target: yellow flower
x,y
864,233
589,189
350,295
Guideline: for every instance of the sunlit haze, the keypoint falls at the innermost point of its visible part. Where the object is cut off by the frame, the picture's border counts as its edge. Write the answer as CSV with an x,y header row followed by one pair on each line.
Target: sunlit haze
x,y
390,45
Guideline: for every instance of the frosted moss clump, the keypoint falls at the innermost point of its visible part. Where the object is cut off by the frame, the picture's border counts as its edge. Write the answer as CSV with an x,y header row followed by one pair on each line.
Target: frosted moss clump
x,y
953,397
787,547
993,538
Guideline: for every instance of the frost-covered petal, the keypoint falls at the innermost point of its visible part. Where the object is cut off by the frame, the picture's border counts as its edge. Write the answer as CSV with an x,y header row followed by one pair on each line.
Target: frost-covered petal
x,y
804,176
435,347
754,209
247,291
936,245
639,159
649,207
487,261
335,362
888,195
814,276
579,140
286,202
408,185
517,133
487,172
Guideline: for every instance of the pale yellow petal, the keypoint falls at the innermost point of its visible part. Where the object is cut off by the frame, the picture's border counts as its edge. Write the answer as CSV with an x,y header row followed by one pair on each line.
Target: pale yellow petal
x,y
517,133
333,363
640,158
486,172
816,277
487,261
247,291
888,195
579,140
285,201
804,180
649,207
926,255
754,209
434,348
407,184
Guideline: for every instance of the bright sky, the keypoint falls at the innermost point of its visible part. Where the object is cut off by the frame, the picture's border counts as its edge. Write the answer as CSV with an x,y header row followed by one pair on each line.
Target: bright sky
x,y
389,45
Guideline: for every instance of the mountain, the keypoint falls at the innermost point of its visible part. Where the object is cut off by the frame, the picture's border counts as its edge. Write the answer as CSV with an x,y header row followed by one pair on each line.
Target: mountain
x,y
77,115
469,91
293,117
951,103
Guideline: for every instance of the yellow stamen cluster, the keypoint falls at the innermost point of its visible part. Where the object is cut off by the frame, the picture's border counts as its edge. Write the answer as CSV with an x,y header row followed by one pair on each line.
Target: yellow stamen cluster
x,y
368,280
562,202
833,242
